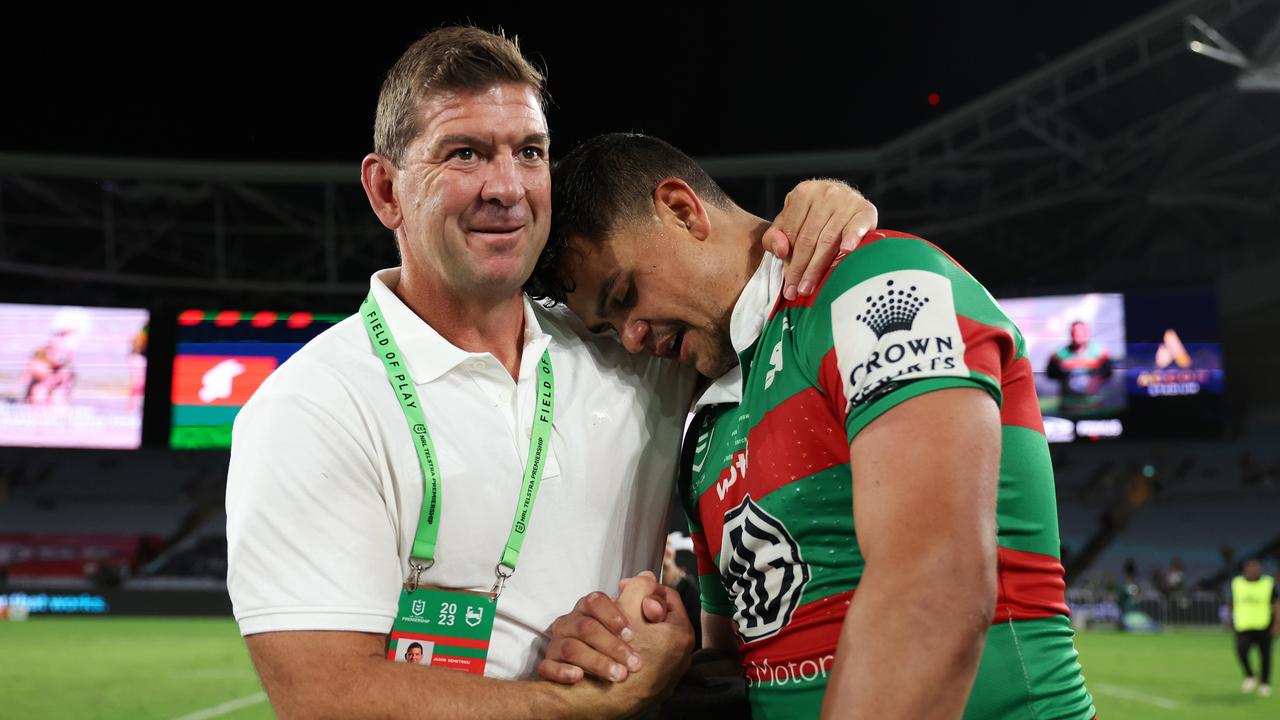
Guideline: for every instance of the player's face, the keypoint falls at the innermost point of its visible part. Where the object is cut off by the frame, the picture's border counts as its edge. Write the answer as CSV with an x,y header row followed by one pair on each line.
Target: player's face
x,y
413,655
658,290
475,189
1253,570
1079,333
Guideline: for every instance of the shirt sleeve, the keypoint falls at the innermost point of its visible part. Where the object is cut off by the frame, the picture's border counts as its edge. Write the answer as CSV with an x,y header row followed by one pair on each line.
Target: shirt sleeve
x,y
896,319
311,541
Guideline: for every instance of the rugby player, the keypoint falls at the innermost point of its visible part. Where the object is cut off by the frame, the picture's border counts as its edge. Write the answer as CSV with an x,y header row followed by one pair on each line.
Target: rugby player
x,y
867,481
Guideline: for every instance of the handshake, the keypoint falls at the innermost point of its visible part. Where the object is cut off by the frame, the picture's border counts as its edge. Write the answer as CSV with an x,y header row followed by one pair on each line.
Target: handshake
x,y
621,655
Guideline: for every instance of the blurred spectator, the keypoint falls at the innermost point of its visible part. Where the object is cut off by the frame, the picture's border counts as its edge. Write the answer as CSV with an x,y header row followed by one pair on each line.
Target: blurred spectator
x,y
102,576
1255,474
1130,571
1228,555
1177,576
1160,581
684,581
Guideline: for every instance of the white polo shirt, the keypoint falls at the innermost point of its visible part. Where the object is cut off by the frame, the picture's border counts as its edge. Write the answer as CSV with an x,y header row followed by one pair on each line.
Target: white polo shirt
x,y
324,488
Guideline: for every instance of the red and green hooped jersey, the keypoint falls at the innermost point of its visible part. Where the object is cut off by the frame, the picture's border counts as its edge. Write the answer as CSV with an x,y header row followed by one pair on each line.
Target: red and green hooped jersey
x,y
1081,372
768,491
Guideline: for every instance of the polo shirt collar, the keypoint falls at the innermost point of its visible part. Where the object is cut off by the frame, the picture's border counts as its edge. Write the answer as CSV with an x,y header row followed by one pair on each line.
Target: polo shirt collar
x,y
427,353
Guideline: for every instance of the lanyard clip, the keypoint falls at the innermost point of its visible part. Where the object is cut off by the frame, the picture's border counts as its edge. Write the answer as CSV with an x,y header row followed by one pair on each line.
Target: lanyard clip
x,y
503,574
414,581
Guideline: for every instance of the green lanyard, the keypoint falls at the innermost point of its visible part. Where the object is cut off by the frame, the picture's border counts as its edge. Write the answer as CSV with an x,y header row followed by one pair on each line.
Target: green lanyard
x,y
424,540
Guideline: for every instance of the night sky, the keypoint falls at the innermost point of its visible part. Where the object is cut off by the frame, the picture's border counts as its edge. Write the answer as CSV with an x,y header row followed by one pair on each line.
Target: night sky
x,y
269,83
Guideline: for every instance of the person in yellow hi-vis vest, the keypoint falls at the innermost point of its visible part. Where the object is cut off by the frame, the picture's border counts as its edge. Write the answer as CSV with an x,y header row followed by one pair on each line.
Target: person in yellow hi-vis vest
x,y
1254,607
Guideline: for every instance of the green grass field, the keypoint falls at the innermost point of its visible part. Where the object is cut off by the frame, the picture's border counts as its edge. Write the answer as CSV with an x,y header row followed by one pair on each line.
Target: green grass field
x,y
197,669
136,668
1191,674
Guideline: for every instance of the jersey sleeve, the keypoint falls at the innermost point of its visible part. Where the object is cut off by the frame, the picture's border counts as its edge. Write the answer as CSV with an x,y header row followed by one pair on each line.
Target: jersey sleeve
x,y
710,588
898,318
311,544
715,599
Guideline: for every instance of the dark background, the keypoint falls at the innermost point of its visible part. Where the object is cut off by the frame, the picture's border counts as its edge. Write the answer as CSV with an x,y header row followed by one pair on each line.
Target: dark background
x,y
301,83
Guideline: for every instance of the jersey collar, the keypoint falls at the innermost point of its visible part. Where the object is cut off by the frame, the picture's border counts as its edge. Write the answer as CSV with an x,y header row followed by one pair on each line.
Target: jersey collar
x,y
750,314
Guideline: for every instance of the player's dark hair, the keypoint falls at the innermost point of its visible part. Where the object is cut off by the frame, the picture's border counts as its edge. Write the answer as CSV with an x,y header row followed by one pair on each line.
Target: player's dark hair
x,y
602,183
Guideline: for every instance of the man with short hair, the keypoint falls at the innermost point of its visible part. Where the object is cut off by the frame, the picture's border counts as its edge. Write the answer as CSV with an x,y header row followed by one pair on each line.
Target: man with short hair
x,y
374,475
1255,603
867,481
413,654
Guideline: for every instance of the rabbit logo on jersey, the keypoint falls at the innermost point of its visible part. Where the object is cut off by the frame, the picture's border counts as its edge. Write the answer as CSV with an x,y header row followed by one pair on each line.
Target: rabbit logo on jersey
x,y
896,326
764,571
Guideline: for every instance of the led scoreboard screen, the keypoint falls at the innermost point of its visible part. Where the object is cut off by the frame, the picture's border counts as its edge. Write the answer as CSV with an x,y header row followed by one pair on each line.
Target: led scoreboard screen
x,y
221,359
72,377
1110,365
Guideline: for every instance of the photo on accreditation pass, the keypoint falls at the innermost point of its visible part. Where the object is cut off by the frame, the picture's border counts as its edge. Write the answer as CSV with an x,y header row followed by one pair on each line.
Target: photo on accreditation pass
x,y
414,651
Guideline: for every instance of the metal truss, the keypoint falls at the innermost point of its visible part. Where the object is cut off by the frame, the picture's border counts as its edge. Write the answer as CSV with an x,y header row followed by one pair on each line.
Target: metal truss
x,y
1135,135
185,225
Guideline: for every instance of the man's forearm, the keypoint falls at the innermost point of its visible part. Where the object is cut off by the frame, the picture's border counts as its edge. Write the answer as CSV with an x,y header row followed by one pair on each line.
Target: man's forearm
x,y
382,689
910,646
369,686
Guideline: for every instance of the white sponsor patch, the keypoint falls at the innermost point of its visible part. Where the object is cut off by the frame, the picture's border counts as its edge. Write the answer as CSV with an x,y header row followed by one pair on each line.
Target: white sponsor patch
x,y
895,327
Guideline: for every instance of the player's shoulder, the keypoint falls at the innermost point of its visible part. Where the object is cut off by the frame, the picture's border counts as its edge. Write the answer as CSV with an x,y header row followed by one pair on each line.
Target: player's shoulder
x,y
887,251
897,260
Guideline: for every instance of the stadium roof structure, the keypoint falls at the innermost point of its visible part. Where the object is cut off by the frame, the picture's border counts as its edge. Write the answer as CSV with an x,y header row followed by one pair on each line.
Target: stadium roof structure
x,y
1134,160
